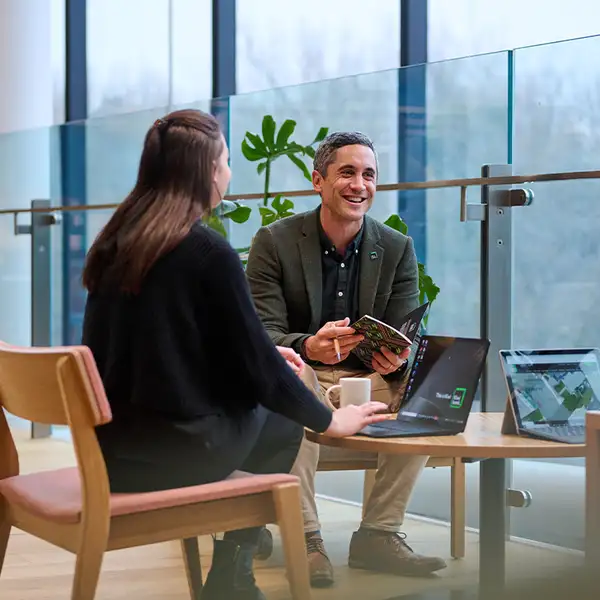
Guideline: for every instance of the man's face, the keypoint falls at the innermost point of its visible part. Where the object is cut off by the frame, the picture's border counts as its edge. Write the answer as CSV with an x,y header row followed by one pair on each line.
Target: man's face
x,y
348,188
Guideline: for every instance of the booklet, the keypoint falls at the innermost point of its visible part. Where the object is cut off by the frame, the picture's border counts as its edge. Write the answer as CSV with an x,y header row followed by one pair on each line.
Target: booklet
x,y
378,334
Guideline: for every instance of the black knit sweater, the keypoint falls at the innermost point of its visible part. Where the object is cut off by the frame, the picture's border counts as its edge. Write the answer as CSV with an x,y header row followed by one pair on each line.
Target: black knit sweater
x,y
190,344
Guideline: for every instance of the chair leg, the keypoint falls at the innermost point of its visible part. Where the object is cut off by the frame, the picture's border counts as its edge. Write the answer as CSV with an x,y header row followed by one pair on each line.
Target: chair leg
x,y
458,509
193,568
368,484
87,568
288,508
5,527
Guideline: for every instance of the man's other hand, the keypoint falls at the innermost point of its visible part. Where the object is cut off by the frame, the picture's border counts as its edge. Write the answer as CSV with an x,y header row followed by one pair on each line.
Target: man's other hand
x,y
386,362
320,347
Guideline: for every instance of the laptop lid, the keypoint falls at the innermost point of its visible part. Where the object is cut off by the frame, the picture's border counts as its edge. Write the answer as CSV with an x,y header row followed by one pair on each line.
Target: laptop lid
x,y
443,380
412,321
551,386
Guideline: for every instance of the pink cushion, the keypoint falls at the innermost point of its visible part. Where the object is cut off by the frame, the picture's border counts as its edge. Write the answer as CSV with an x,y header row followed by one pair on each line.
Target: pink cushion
x,y
56,495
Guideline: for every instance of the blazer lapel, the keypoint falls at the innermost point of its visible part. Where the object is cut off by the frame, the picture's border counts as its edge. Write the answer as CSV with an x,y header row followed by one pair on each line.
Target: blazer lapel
x,y
371,261
310,256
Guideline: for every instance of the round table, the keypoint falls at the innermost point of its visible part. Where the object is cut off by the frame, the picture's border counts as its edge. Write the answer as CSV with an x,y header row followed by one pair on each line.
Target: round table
x,y
482,438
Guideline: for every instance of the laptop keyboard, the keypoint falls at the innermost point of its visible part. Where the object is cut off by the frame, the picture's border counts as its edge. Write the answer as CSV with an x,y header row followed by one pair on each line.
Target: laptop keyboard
x,y
400,426
564,431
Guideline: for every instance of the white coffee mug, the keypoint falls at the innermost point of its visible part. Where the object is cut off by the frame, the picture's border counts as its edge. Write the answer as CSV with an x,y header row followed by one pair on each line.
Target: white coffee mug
x,y
353,390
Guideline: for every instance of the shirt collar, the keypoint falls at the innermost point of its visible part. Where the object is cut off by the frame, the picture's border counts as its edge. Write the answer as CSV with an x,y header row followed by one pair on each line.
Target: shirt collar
x,y
326,244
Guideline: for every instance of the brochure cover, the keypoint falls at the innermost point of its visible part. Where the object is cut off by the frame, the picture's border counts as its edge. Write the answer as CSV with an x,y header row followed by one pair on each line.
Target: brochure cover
x,y
378,334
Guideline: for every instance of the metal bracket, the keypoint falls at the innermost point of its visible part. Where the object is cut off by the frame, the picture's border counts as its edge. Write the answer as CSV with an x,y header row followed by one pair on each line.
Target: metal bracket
x,y
510,198
42,220
20,229
518,498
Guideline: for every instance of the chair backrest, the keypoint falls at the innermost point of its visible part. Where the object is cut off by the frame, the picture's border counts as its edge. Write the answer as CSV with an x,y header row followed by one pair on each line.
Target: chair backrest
x,y
54,386
58,386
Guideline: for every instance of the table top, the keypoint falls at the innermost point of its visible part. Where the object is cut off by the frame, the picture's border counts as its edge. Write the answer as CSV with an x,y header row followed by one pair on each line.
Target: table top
x,y
482,438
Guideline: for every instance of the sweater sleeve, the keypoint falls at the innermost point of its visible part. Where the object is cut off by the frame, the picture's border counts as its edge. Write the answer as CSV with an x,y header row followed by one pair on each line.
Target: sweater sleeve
x,y
238,338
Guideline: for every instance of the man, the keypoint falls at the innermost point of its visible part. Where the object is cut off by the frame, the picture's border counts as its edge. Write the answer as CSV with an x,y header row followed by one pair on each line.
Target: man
x,y
313,274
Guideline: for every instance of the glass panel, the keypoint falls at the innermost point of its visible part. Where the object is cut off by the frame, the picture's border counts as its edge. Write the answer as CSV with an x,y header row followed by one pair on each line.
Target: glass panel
x,y
556,250
28,170
113,147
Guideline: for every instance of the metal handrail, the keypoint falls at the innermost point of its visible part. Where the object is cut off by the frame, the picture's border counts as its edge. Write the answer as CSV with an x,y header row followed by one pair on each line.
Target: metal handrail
x,y
384,187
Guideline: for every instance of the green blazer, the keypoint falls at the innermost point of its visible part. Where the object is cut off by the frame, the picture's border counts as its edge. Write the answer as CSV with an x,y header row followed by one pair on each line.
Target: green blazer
x,y
285,276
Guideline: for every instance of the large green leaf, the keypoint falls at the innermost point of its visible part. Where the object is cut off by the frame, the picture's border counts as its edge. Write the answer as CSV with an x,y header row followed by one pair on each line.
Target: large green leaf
x,y
261,167
257,142
321,135
310,151
396,222
428,290
268,216
250,153
282,206
240,214
300,164
294,148
285,131
215,223
268,131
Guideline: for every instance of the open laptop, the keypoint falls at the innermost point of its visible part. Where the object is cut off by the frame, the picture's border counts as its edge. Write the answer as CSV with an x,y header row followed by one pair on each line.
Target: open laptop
x,y
550,391
440,389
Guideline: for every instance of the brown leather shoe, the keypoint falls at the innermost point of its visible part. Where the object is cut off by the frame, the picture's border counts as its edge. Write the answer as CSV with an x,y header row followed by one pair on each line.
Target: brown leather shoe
x,y
389,553
319,565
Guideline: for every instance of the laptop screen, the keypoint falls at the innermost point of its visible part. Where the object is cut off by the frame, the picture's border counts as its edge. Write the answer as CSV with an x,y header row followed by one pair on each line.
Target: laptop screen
x,y
443,379
552,386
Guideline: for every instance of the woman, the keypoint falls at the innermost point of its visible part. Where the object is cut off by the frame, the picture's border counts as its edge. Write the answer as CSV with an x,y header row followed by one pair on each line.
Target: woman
x,y
196,386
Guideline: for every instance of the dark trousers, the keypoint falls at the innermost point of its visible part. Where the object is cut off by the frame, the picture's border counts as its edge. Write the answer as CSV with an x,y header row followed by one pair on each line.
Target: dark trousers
x,y
151,457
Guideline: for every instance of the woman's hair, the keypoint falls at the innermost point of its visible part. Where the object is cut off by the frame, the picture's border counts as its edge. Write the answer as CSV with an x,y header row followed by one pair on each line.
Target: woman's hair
x,y
173,189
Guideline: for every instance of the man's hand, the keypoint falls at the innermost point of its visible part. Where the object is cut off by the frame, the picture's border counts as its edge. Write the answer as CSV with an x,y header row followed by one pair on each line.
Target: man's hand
x,y
320,347
386,362
293,359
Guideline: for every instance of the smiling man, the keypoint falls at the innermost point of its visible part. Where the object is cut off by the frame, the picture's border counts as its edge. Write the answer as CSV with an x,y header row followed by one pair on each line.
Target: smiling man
x,y
313,274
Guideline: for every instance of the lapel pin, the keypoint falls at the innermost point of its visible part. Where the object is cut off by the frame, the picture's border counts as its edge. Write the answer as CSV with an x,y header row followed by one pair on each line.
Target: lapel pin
x,y
373,255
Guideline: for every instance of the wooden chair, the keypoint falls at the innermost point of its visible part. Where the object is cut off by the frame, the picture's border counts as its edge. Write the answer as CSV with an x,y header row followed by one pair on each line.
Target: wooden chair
x,y
592,500
329,461
74,509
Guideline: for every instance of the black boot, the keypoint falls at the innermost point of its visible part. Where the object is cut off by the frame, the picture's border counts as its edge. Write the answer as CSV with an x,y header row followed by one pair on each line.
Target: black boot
x,y
230,576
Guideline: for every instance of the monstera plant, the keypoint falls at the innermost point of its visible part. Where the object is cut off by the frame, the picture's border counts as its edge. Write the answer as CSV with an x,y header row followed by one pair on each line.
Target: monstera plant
x,y
266,150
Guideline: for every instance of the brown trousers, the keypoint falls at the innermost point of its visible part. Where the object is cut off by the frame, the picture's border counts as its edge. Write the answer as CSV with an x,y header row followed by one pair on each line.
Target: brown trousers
x,y
396,474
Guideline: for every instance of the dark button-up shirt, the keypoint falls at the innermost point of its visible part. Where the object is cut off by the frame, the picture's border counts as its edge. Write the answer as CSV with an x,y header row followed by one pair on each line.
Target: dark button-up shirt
x,y
340,279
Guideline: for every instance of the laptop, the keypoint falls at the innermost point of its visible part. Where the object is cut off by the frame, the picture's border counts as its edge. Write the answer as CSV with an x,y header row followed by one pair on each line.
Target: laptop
x,y
550,391
440,389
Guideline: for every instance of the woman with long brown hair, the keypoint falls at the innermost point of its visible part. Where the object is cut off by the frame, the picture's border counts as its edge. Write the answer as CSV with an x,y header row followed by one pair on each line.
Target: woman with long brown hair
x,y
197,388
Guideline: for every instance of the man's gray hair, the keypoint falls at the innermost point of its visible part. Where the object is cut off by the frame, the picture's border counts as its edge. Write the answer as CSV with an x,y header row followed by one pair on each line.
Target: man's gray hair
x,y
325,154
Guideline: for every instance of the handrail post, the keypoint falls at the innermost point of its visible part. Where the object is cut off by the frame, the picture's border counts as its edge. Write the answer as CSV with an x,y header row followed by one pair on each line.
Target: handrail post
x,y
41,288
496,325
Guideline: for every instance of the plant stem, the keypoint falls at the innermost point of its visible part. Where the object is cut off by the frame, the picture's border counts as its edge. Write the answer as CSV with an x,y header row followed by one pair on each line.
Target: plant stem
x,y
267,182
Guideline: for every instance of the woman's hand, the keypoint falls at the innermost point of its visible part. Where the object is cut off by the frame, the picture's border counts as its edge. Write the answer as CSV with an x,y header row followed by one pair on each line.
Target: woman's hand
x,y
351,419
293,359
